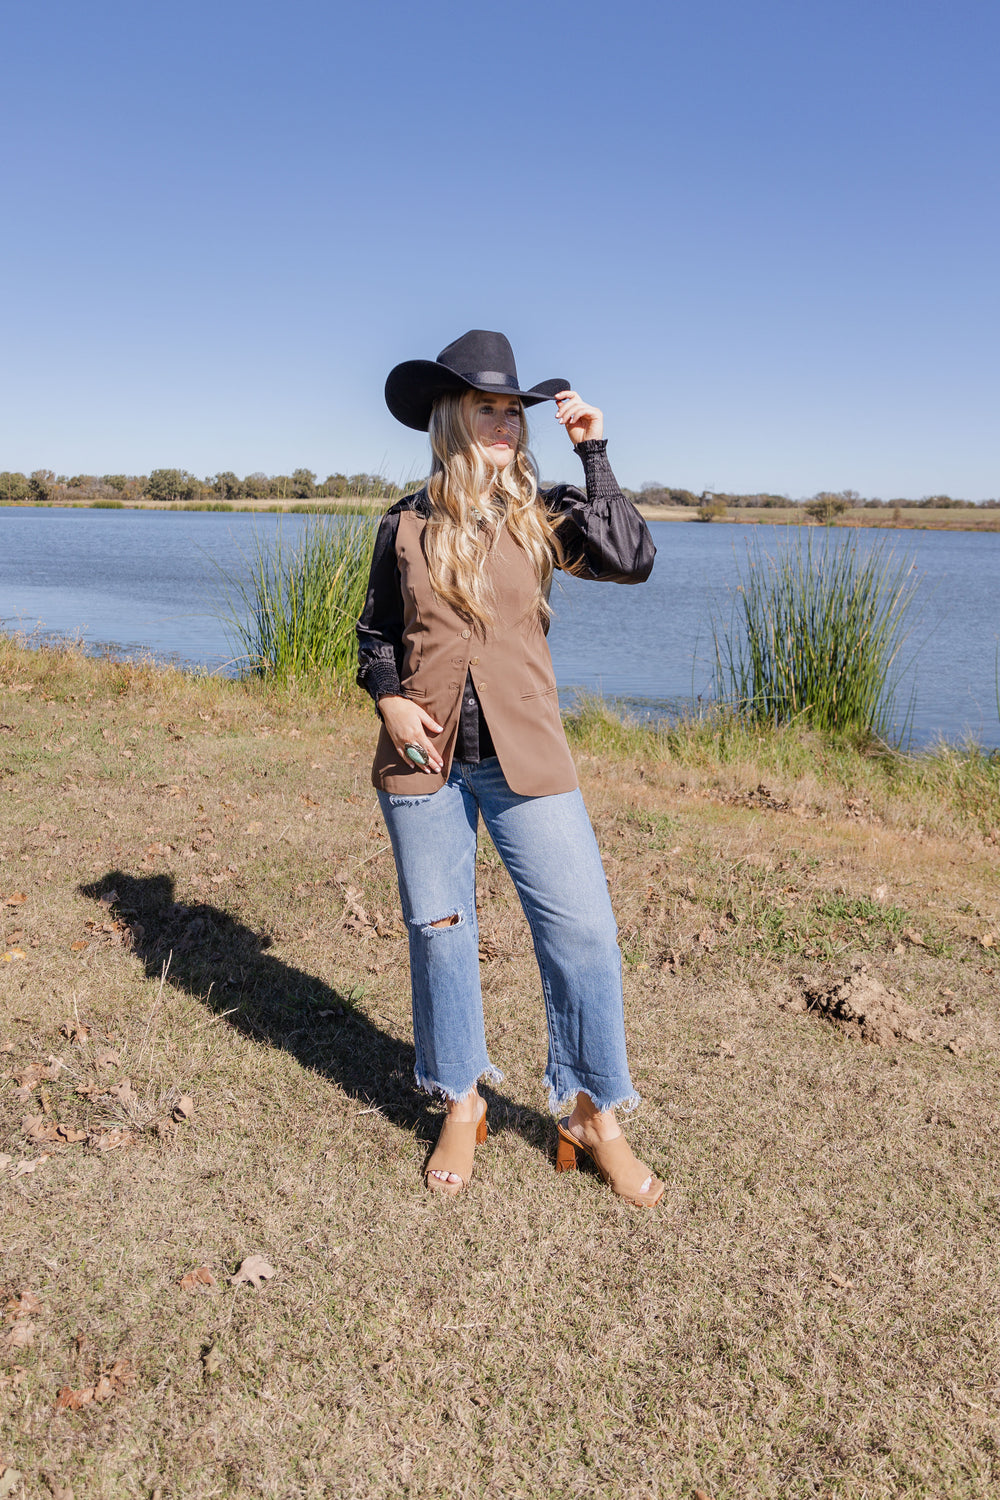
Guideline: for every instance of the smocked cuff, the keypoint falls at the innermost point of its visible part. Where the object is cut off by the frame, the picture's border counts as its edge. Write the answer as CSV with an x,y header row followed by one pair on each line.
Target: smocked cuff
x,y
591,445
381,680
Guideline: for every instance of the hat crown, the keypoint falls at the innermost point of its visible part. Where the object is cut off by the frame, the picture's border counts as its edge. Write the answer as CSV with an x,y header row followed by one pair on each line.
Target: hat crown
x,y
482,358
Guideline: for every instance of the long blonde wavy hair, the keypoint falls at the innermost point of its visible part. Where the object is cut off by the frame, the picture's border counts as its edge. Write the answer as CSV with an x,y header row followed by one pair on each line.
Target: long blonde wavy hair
x,y
470,502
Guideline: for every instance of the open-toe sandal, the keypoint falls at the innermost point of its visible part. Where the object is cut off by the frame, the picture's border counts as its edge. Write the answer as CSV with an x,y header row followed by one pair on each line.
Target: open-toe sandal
x,y
616,1162
454,1152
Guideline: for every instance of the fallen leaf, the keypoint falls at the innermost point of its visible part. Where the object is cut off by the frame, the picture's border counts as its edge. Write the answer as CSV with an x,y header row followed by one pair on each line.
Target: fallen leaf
x,y
200,1277
25,1306
110,1140
254,1269
17,899
9,1481
70,1400
212,1361
79,945
987,940
75,1031
5,1161
123,1092
103,1390
184,1108
23,1168
59,1490
12,955
840,1281
914,937
107,1058
38,1128
21,1336
702,1495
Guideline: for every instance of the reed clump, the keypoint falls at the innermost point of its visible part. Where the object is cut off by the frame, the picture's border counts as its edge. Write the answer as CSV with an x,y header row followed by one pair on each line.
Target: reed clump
x,y
815,635
293,615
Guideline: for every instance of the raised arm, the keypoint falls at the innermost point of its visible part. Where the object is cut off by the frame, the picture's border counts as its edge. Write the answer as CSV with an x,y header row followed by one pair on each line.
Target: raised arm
x,y
602,534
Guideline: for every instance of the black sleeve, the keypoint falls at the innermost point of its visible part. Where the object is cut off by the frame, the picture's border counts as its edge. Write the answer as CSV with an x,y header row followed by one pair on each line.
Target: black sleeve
x,y
603,536
380,627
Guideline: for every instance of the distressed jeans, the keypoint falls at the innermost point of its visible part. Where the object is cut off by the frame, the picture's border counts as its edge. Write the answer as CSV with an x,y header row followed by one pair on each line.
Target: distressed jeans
x,y
550,852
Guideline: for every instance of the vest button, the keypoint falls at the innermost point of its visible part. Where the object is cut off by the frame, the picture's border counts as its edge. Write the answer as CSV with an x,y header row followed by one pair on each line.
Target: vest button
x,y
481,686
466,634
474,661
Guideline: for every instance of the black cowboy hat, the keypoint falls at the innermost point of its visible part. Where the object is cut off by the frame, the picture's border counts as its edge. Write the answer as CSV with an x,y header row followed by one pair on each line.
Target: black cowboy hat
x,y
478,361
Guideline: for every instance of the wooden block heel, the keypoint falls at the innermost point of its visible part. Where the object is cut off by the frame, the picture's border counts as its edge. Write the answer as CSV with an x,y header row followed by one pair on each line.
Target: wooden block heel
x,y
565,1155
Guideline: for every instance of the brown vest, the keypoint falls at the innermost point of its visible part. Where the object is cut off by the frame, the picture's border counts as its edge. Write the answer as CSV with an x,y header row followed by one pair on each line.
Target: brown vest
x,y
511,669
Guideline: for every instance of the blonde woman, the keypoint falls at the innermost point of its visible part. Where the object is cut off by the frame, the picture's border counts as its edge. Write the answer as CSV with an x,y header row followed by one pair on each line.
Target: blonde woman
x,y
452,648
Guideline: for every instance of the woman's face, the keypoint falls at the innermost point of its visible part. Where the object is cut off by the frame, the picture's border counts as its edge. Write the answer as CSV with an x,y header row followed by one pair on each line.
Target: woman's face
x,y
496,425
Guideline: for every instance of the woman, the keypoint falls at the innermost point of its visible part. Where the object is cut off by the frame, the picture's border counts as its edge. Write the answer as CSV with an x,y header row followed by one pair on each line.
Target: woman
x,y
452,648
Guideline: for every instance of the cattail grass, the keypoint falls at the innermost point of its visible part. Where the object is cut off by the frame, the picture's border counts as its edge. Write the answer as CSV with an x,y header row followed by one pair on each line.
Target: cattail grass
x,y
815,635
293,616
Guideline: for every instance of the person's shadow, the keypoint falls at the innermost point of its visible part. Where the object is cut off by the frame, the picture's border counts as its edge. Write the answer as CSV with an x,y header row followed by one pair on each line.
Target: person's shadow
x,y
225,965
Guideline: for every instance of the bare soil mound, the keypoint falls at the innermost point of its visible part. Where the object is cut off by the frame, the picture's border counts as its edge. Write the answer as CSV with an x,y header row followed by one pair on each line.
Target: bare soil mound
x,y
864,1007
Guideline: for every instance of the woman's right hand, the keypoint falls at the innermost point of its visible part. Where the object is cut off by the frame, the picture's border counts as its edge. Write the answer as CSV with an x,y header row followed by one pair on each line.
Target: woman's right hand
x,y
408,724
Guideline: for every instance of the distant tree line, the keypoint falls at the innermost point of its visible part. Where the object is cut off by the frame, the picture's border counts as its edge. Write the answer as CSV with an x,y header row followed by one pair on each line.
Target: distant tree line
x,y
174,485
824,505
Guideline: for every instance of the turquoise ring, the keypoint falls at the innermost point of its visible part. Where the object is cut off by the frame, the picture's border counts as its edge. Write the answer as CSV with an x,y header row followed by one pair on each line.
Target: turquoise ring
x,y
415,753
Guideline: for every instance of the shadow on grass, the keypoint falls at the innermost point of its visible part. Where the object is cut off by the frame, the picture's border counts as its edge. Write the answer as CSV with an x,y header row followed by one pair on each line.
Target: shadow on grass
x,y
225,965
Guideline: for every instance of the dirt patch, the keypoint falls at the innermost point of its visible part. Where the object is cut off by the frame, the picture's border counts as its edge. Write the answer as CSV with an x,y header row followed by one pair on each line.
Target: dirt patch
x,y
861,1005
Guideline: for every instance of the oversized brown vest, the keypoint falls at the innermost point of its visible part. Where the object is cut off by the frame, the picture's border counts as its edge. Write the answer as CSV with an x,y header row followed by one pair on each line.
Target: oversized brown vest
x,y
511,669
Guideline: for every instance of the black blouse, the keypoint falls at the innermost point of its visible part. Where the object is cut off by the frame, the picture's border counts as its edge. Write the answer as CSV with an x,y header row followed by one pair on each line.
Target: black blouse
x,y
603,537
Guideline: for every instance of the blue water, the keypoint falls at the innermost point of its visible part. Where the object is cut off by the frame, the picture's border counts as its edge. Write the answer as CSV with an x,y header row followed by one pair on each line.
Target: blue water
x,y
149,581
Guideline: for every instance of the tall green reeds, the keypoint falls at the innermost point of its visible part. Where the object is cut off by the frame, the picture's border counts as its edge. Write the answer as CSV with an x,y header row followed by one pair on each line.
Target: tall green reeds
x,y
815,635
294,612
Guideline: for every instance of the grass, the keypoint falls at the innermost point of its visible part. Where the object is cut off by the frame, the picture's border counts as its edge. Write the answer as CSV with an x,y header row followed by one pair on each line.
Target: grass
x,y
812,1311
815,635
293,618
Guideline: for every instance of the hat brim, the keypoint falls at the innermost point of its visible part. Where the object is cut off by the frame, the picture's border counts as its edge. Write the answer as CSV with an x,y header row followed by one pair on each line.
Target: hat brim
x,y
413,387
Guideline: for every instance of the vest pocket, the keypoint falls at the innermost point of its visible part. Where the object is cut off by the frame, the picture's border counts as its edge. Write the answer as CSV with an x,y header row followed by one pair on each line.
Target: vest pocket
x,y
542,692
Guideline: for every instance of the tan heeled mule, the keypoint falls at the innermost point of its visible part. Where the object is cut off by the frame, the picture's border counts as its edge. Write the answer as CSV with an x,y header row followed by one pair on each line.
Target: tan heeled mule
x,y
616,1162
455,1152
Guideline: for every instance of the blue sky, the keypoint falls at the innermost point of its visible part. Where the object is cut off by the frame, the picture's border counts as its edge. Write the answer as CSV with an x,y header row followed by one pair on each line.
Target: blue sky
x,y
763,237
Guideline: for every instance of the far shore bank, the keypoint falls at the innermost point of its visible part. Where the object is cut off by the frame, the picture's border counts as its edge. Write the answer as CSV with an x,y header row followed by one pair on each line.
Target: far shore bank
x,y
791,515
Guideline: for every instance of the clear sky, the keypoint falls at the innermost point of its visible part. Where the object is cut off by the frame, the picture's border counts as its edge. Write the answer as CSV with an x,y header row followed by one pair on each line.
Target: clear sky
x,y
762,236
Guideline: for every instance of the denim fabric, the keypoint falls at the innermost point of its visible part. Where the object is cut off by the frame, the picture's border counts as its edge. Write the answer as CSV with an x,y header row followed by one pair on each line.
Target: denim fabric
x,y
550,852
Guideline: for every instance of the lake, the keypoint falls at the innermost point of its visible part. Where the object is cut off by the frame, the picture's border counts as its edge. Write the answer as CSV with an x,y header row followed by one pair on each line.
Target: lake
x,y
149,582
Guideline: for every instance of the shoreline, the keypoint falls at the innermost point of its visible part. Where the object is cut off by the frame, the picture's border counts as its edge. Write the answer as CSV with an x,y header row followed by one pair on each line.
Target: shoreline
x,y
929,520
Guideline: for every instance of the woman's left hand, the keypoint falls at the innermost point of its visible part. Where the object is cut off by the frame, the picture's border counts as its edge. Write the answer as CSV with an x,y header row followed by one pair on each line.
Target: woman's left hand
x,y
580,420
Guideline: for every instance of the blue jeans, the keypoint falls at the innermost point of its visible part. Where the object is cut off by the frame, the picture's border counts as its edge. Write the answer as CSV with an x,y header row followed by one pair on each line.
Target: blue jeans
x,y
550,852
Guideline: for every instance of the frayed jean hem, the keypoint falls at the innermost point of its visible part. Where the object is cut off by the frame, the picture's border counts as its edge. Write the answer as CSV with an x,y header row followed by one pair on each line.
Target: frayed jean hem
x,y
561,1099
490,1074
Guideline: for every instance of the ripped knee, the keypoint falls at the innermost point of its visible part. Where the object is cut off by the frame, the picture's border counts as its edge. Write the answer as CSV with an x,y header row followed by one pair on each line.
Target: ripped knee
x,y
435,924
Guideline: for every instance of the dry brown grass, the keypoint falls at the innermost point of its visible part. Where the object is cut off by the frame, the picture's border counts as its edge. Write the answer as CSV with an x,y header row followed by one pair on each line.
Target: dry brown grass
x,y
813,1310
